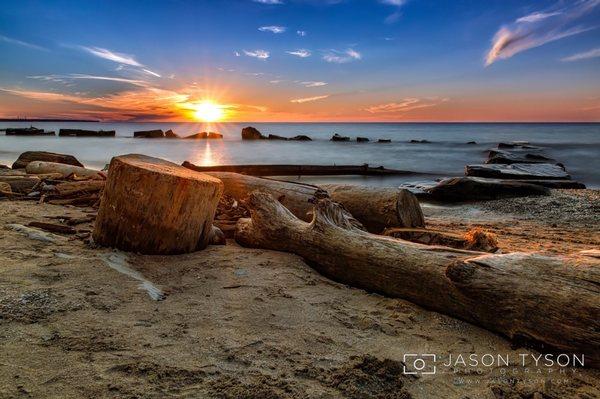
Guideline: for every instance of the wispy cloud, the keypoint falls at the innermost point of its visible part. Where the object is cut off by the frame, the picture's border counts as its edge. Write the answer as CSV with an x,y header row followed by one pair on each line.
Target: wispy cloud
x,y
342,57
301,33
76,76
395,16
21,43
539,28
313,84
273,29
308,99
268,1
404,105
149,72
594,53
260,54
302,53
112,56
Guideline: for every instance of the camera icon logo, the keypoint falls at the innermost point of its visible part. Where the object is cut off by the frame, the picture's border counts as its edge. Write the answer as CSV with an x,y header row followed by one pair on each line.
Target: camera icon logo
x,y
423,363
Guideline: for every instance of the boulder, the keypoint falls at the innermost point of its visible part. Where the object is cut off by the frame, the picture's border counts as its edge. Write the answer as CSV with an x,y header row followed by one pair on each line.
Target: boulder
x,y
251,133
205,135
337,137
301,137
4,167
30,156
507,158
149,134
538,171
362,139
517,144
471,142
384,141
171,134
27,131
86,133
420,141
276,137
462,189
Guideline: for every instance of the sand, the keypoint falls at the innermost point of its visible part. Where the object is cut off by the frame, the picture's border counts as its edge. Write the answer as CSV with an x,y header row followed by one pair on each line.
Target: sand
x,y
80,322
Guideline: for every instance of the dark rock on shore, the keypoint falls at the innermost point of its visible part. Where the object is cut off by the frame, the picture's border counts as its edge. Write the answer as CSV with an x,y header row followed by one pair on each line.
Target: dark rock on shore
x,y
362,139
505,157
560,184
471,142
276,137
517,145
462,189
30,156
4,167
540,171
149,134
86,133
171,134
205,135
27,131
251,133
384,141
420,141
337,137
301,137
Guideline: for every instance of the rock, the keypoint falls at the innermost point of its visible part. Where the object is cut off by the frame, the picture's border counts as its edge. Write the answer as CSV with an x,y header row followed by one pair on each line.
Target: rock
x,y
205,135
27,131
251,133
337,137
527,171
471,142
562,184
4,167
86,133
384,141
507,158
30,156
461,189
517,144
362,139
171,134
276,137
301,137
149,134
420,141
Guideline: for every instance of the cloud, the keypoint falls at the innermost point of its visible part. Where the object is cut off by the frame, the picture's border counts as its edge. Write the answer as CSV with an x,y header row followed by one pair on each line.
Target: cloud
x,y
75,76
302,53
313,84
404,105
21,43
395,16
397,3
273,29
149,72
276,81
261,54
537,29
301,33
342,57
308,99
268,1
112,56
594,53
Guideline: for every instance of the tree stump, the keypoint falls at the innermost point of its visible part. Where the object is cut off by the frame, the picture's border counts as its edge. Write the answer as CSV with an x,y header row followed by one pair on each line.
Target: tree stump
x,y
153,206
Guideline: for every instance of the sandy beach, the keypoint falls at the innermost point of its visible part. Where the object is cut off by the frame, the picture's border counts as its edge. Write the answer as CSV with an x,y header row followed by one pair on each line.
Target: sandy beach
x,y
250,323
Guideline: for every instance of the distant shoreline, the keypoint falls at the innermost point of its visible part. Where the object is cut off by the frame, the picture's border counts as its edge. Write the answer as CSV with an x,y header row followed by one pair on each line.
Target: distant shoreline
x,y
46,120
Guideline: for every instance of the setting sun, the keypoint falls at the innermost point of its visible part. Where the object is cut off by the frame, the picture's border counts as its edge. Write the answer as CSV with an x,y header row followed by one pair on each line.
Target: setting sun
x,y
208,111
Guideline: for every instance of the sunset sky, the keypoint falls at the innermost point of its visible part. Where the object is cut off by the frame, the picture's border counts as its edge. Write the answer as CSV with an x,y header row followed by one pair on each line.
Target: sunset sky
x,y
302,60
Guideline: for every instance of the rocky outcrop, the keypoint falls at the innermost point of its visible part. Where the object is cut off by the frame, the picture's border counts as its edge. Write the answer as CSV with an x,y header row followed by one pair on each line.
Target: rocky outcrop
x,y
463,189
518,171
301,137
149,134
251,133
362,140
384,141
30,156
171,134
420,141
507,158
86,133
337,137
205,135
27,131
276,137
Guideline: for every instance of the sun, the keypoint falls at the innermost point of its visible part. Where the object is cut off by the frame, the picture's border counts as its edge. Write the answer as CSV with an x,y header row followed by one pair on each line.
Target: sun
x,y
208,111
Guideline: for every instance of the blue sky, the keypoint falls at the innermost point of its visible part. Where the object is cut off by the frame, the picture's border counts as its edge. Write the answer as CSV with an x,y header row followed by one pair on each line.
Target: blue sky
x,y
302,60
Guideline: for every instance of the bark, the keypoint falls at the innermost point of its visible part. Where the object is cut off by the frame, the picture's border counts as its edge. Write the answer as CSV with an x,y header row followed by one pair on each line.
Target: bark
x,y
300,170
378,207
40,167
548,300
153,206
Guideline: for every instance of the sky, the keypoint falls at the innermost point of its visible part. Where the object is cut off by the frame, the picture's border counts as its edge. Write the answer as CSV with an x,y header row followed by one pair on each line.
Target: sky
x,y
301,60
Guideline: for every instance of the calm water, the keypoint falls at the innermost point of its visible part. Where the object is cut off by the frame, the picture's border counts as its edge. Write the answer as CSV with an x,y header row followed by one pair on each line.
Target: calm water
x,y
575,145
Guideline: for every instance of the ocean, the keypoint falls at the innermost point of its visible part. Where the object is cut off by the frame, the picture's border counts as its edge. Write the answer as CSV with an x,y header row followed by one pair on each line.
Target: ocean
x,y
577,146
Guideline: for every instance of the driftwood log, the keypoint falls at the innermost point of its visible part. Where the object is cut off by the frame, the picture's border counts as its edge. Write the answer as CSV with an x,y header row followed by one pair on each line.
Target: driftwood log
x,y
300,170
378,207
548,300
153,206
40,167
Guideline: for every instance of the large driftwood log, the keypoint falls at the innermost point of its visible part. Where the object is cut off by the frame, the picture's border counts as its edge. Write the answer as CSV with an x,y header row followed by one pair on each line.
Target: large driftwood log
x,y
29,156
549,300
153,206
378,207
40,167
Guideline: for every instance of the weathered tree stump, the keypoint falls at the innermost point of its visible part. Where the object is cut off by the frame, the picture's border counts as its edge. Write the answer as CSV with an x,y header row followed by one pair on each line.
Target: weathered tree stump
x,y
153,206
